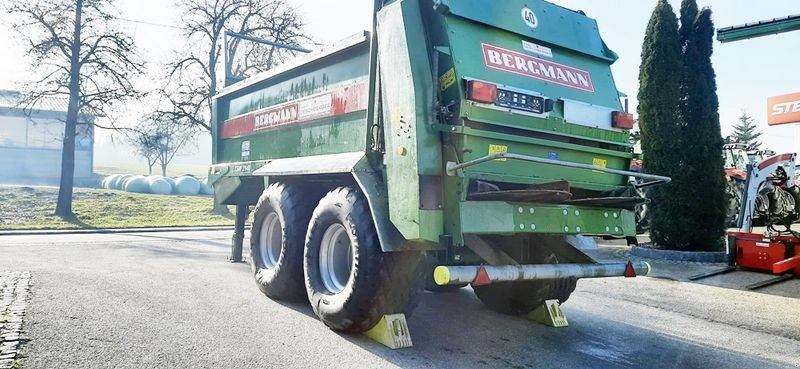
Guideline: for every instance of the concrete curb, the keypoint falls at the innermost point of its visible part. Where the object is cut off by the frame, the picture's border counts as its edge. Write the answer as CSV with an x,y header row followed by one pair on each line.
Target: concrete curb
x,y
112,231
683,256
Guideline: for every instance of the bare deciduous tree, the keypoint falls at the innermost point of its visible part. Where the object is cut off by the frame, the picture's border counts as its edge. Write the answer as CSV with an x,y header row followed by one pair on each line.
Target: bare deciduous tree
x,y
145,146
195,74
78,52
159,140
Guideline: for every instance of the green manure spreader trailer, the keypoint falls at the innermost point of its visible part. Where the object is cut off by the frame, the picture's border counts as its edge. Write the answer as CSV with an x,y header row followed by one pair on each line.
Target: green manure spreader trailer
x,y
460,142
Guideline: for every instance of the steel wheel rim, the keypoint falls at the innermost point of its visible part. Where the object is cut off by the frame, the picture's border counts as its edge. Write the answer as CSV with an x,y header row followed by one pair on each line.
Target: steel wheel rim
x,y
270,240
335,258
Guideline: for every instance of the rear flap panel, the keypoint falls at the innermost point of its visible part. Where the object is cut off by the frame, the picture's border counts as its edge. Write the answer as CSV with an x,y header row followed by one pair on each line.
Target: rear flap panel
x,y
562,58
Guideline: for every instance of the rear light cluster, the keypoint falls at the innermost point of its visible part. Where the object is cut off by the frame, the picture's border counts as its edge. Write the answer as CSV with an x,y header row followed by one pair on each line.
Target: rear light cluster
x,y
622,120
482,92
488,93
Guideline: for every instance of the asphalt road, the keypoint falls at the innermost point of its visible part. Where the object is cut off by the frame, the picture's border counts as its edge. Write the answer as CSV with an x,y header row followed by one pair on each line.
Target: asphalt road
x,y
169,300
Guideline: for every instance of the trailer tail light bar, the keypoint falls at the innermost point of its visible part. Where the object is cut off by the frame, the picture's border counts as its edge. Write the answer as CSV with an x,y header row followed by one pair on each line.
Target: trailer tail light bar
x,y
511,98
482,92
622,120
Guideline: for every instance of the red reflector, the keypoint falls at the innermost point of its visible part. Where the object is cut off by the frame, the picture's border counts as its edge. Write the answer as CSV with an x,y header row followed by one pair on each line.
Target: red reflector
x,y
629,272
623,120
482,278
481,92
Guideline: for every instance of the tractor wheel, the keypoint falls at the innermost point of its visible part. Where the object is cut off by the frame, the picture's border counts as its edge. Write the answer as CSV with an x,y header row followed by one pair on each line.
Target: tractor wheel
x,y
640,213
277,237
734,190
350,281
519,298
642,221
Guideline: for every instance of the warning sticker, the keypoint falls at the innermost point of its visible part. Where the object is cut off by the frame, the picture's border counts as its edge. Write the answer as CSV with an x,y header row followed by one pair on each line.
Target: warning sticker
x,y
498,149
447,79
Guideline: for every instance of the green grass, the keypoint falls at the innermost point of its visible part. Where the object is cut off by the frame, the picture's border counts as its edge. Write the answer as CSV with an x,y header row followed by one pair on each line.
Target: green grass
x,y
173,170
31,208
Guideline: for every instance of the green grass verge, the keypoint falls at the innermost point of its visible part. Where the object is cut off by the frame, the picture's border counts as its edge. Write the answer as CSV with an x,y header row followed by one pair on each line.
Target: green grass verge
x,y
31,208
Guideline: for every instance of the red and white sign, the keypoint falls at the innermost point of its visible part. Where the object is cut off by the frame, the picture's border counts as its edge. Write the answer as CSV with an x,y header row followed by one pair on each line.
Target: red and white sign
x,y
784,109
529,66
328,104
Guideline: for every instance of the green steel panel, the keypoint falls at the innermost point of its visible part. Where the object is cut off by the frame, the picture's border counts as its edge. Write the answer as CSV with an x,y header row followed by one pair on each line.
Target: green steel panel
x,y
413,147
329,136
481,146
471,25
554,125
759,29
466,38
494,217
555,25
341,70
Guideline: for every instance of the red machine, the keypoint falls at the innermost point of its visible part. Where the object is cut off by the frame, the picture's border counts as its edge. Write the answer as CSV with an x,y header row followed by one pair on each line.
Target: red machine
x,y
776,255
774,252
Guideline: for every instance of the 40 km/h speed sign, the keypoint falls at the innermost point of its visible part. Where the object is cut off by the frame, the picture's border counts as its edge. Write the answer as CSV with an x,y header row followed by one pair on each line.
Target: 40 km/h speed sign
x,y
784,109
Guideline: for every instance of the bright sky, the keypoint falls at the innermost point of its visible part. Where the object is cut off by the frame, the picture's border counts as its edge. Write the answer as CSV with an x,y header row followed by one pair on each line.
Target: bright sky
x,y
747,71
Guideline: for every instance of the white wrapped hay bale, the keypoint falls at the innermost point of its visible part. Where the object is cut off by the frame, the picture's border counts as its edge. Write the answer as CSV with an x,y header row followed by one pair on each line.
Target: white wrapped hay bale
x,y
160,186
119,182
106,183
171,181
205,188
187,186
137,184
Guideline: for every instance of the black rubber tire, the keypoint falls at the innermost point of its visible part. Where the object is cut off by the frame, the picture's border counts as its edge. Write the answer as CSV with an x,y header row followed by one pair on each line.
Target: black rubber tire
x,y
642,219
284,281
380,283
734,189
519,298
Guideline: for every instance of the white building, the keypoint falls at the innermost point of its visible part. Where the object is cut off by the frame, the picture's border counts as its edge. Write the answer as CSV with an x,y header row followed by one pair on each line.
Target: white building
x,y
31,141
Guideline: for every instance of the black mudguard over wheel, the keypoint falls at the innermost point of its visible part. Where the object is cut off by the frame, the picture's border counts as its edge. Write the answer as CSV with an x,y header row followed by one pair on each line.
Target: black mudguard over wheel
x,y
518,298
350,281
277,238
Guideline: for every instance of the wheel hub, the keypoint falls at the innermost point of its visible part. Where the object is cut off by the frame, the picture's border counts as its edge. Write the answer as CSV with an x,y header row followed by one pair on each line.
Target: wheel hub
x,y
270,240
335,258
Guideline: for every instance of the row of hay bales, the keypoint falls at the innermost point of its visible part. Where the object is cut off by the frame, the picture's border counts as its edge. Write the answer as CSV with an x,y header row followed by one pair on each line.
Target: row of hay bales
x,y
186,185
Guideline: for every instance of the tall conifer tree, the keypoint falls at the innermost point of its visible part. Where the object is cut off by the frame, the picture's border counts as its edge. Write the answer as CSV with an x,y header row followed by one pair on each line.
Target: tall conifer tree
x,y
659,116
701,134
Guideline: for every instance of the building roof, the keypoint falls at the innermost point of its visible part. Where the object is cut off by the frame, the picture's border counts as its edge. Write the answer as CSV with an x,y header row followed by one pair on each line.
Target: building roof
x,y
49,106
10,99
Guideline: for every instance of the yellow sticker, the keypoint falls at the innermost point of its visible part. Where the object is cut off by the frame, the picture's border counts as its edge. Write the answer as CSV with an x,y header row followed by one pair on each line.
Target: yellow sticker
x,y
448,79
498,149
602,163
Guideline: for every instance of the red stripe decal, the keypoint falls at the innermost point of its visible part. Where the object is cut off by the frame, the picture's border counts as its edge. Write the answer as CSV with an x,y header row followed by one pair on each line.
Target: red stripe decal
x,y
328,104
775,159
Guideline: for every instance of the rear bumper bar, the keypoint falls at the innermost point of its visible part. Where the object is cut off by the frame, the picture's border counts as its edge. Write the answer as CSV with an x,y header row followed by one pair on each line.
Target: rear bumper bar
x,y
447,275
